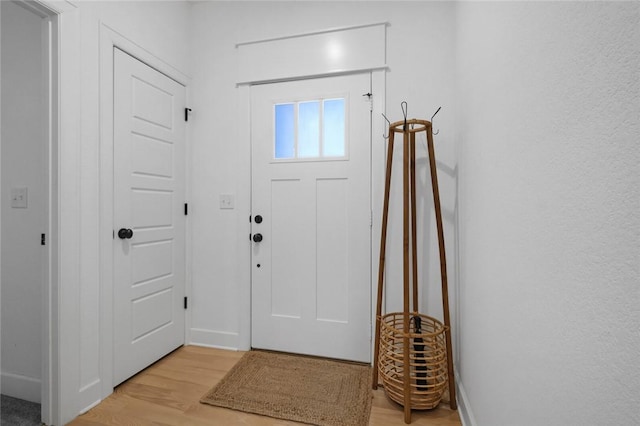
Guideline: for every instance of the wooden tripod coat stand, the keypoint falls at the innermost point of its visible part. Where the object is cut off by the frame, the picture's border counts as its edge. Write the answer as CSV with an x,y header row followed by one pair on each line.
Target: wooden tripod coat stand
x,y
405,358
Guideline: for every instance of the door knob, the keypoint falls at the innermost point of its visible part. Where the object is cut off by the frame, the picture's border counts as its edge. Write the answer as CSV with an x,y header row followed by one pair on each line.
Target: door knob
x,y
125,233
258,219
257,238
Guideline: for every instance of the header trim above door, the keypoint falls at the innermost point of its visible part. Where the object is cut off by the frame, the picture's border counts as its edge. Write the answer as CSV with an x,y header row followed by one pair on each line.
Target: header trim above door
x,y
315,54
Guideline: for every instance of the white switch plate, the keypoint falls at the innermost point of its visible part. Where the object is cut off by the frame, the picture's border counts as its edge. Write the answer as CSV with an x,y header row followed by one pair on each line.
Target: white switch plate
x,y
227,201
19,198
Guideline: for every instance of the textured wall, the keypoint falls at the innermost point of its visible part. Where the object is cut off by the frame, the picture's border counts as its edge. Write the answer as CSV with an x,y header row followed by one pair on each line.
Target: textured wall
x,y
549,225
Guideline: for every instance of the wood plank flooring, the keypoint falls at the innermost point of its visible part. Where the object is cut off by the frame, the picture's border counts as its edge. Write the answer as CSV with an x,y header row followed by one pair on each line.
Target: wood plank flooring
x,y
167,394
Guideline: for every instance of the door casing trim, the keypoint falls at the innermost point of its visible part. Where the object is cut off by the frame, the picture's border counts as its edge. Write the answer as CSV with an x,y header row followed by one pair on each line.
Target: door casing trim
x,y
243,200
110,39
50,43
288,48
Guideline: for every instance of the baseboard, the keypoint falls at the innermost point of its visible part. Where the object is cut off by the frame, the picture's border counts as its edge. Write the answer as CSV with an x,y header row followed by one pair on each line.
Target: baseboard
x,y
22,387
464,408
214,339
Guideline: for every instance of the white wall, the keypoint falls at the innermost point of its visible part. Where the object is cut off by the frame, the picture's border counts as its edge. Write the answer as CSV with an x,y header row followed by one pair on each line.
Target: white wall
x,y
162,30
549,259
22,166
420,56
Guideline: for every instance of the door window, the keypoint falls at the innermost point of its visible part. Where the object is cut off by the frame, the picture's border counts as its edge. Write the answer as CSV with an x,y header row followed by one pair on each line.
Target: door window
x,y
310,130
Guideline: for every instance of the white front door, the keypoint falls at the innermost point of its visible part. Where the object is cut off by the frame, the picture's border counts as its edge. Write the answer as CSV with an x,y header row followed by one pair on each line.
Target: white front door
x,y
149,235
311,286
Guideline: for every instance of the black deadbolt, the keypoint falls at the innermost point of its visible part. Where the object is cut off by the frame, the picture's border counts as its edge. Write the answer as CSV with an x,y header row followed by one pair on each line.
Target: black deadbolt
x,y
257,238
258,219
125,233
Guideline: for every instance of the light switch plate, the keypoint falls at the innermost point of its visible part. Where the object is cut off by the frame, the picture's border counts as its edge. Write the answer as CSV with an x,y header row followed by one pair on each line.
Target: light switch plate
x,y
227,201
19,198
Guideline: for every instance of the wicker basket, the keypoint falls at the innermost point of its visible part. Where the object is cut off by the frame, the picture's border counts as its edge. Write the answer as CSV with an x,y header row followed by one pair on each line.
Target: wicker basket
x,y
428,359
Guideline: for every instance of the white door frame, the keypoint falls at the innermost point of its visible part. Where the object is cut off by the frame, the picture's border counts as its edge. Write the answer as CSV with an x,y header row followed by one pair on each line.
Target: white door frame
x,y
50,265
364,47
110,39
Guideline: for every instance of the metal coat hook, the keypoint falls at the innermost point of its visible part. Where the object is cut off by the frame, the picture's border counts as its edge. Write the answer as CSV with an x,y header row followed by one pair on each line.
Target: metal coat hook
x,y
434,114
385,117
405,110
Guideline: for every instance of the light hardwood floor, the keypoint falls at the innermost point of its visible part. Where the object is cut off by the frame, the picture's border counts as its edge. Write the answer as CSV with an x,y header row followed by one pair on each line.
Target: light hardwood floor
x,y
167,393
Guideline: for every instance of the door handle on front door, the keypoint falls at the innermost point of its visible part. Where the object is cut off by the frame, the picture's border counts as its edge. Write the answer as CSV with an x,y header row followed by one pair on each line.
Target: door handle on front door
x,y
257,238
125,233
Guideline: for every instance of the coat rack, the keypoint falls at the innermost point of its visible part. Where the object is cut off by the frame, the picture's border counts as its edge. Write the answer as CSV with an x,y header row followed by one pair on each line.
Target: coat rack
x,y
413,352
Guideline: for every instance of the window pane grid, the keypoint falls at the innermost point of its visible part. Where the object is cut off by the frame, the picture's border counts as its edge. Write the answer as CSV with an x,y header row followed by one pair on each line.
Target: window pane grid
x,y
310,129
334,128
285,118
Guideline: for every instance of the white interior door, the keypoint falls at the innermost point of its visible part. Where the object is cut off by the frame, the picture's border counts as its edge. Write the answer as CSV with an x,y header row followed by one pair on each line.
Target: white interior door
x,y
149,235
311,286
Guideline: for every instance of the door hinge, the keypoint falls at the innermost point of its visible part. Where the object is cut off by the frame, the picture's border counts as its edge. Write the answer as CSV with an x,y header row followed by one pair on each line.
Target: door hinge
x,y
43,239
369,96
186,114
186,209
185,302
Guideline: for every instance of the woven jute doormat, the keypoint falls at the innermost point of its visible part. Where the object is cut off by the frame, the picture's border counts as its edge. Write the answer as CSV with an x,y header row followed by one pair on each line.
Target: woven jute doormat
x,y
303,389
